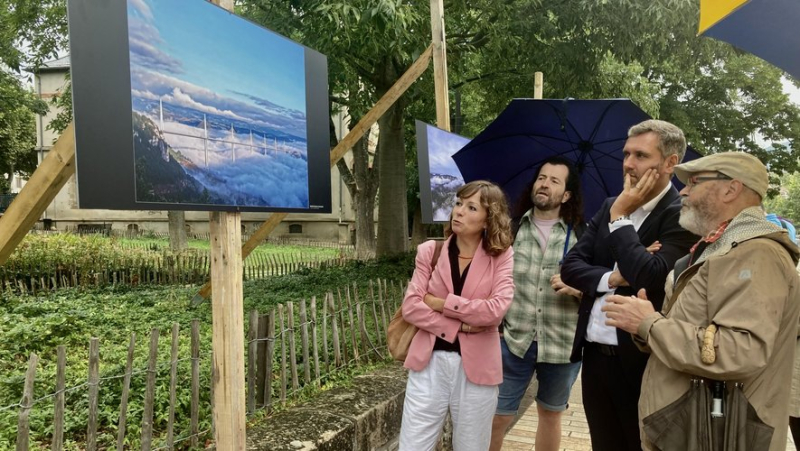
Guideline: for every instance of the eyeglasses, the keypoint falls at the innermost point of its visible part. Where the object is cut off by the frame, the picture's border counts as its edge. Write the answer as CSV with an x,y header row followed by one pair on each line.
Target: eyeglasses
x,y
698,179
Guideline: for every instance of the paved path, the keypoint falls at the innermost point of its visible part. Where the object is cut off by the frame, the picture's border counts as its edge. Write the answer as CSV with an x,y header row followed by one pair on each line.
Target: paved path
x,y
574,429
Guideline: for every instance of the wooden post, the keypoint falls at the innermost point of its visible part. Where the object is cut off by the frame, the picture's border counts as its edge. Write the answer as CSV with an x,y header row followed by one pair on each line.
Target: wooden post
x,y
126,387
36,195
538,85
173,385
252,357
440,65
270,359
58,415
363,126
150,393
23,422
228,330
195,406
94,390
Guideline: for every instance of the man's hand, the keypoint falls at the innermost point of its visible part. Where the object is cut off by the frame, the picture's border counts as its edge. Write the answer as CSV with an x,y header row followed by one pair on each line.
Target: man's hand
x,y
627,312
633,195
653,248
616,280
562,288
434,303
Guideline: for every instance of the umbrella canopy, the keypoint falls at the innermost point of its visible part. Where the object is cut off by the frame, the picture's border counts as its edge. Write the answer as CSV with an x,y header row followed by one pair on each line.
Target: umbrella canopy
x,y
590,133
764,28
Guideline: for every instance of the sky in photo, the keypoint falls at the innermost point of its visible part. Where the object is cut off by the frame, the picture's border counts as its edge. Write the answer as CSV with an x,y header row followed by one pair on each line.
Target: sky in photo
x,y
441,147
194,54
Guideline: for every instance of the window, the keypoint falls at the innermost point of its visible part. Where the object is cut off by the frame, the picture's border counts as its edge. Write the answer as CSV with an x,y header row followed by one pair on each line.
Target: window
x,y
295,228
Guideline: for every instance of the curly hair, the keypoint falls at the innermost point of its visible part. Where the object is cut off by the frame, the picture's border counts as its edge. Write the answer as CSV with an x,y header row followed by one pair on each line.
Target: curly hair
x,y
497,236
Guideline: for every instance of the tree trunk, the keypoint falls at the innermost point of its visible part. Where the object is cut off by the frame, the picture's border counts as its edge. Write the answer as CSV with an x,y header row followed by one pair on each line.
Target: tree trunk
x,y
362,184
392,203
419,231
365,226
177,230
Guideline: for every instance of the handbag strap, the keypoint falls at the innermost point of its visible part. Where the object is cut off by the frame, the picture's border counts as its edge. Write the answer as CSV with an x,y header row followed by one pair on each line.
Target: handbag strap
x,y
436,252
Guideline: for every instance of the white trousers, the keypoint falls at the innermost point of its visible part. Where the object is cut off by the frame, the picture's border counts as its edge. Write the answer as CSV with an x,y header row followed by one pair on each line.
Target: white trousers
x,y
440,387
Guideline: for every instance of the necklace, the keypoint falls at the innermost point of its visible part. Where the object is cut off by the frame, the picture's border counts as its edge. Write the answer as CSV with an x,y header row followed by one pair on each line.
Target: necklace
x,y
466,258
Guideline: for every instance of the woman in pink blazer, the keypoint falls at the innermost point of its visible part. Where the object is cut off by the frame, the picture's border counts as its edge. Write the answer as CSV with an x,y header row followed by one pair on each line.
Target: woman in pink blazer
x,y
454,359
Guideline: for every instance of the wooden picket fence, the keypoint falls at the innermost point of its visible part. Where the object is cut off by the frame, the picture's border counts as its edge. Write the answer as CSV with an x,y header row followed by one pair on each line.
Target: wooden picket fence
x,y
191,267
282,240
344,330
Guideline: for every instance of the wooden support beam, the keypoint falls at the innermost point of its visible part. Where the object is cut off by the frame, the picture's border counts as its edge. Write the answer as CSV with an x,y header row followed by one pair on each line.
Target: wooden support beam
x,y
440,65
227,313
388,99
538,85
363,126
36,195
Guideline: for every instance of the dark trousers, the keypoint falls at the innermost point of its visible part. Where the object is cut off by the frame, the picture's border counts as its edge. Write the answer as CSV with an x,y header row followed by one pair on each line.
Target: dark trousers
x,y
794,425
610,399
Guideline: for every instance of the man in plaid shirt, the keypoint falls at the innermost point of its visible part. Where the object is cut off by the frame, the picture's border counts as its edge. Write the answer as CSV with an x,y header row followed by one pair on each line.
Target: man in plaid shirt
x,y
539,328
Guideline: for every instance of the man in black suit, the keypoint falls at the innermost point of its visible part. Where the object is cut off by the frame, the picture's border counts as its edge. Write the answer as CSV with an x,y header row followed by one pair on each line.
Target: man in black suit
x,y
611,258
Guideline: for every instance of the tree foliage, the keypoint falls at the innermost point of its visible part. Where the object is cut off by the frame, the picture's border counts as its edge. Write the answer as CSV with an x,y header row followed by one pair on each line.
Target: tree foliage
x,y
18,107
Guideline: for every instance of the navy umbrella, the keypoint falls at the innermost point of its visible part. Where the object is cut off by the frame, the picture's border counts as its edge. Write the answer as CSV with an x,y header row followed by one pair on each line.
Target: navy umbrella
x,y
590,133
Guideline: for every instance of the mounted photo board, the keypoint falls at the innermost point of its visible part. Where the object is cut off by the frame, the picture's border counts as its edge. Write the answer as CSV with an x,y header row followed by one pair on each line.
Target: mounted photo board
x,y
182,105
439,177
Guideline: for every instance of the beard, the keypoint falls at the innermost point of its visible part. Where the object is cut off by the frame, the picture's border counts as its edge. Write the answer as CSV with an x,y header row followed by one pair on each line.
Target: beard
x,y
697,218
550,202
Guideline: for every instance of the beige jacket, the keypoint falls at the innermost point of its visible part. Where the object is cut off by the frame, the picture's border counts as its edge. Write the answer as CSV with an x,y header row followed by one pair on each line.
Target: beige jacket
x,y
746,284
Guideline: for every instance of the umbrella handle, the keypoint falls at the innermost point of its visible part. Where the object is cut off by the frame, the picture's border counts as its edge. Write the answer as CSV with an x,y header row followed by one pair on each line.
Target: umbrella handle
x,y
708,354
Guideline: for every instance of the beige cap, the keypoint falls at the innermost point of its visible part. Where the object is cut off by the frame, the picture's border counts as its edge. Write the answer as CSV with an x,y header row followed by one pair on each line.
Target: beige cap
x,y
736,165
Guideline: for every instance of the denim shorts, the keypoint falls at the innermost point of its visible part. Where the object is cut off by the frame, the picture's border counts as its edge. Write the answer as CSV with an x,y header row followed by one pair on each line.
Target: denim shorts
x,y
555,381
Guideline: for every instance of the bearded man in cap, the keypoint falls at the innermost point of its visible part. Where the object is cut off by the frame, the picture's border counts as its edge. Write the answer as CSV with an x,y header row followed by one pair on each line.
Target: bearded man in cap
x,y
737,294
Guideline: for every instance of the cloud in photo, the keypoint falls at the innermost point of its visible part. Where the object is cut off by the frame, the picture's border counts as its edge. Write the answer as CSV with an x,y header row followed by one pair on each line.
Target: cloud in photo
x,y
155,85
441,147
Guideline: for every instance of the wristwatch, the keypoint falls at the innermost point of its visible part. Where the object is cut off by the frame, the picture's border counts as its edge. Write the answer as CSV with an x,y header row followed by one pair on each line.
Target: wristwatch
x,y
621,218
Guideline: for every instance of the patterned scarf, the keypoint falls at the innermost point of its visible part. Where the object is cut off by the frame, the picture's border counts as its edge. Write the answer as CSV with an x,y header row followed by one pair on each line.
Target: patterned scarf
x,y
708,239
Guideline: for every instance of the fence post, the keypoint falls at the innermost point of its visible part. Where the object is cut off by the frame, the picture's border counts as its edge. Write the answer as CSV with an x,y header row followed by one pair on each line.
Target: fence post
x,y
381,298
195,407
353,325
150,392
325,355
292,350
23,424
283,354
252,347
126,386
378,335
58,409
340,316
269,359
304,342
173,383
94,389
314,337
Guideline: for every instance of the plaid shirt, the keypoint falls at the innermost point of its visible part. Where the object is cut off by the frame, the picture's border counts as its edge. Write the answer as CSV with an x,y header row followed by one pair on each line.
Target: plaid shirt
x,y
537,312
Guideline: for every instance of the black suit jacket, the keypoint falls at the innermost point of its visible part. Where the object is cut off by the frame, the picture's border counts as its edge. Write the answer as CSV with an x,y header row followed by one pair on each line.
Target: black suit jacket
x,y
598,250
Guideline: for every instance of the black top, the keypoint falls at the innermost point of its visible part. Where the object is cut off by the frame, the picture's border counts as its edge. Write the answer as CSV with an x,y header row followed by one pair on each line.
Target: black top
x,y
458,285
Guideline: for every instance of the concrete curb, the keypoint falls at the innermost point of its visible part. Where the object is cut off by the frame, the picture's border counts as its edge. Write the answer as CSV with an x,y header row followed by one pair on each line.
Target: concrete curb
x,y
364,416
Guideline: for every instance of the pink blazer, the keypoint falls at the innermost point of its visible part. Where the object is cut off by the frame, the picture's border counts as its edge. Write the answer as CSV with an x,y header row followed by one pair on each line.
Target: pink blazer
x,y
484,300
